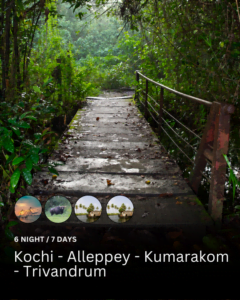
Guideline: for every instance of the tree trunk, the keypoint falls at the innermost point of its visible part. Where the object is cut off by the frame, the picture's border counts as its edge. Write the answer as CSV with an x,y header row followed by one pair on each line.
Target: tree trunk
x,y
30,47
2,51
7,38
25,59
16,48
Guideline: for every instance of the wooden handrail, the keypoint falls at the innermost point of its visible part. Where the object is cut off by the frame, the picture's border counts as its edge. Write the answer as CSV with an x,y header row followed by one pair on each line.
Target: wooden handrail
x,y
204,102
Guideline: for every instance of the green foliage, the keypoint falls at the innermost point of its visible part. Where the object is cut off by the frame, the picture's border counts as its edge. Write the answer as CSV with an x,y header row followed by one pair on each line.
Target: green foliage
x,y
9,234
68,85
26,119
22,148
90,208
193,48
105,58
122,208
211,242
232,179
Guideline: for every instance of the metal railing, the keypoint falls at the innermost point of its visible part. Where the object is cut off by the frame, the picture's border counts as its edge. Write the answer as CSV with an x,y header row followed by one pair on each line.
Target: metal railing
x,y
213,143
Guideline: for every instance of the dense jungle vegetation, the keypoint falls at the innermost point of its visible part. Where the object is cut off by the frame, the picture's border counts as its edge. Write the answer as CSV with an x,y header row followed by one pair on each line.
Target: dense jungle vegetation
x,y
191,46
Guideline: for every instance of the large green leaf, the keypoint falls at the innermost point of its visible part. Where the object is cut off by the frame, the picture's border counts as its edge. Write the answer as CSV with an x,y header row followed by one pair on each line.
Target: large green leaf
x,y
1,204
227,161
21,104
8,144
16,130
35,106
3,129
17,160
34,150
24,115
3,137
10,158
5,173
44,150
12,223
12,190
37,135
27,176
31,117
12,120
36,89
28,142
53,170
9,234
34,158
29,164
232,177
23,124
47,82
15,178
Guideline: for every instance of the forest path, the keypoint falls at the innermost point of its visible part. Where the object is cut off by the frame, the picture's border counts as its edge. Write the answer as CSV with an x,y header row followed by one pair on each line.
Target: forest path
x,y
110,140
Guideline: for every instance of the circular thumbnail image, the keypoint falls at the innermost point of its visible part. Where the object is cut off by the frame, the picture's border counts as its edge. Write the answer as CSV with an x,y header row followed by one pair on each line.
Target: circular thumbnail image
x,y
58,209
28,209
88,209
120,209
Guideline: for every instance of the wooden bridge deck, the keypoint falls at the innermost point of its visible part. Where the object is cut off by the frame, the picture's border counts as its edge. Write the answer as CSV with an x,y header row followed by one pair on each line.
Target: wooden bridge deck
x,y
109,139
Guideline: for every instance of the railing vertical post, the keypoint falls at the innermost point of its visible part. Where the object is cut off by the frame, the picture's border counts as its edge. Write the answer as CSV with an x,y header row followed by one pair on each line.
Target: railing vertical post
x,y
146,100
137,93
220,147
205,144
216,137
160,112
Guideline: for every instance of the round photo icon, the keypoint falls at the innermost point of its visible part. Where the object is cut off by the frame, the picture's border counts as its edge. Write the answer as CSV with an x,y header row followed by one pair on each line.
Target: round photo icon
x,y
88,209
120,209
58,209
28,209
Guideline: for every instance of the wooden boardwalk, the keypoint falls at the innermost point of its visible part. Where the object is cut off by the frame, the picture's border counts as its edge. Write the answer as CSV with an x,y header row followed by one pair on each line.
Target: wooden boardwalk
x,y
110,140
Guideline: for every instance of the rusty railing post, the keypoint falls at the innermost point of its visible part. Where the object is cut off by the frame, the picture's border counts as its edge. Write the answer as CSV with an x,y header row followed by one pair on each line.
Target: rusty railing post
x,y
213,145
146,100
160,112
205,145
136,92
220,147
